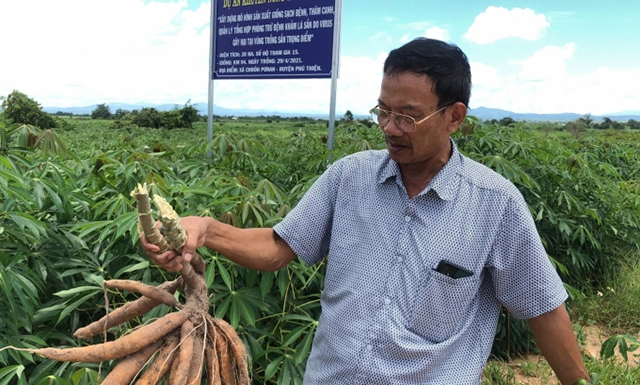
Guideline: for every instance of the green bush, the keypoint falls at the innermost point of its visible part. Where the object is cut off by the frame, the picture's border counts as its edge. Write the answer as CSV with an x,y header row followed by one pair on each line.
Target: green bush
x,y
102,111
581,193
150,117
19,108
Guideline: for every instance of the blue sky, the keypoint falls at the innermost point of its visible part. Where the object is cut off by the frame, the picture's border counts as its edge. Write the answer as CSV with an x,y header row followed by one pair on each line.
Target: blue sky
x,y
527,56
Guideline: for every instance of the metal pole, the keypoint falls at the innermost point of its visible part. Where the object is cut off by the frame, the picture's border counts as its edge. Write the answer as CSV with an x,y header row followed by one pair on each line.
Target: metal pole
x,y
335,66
212,46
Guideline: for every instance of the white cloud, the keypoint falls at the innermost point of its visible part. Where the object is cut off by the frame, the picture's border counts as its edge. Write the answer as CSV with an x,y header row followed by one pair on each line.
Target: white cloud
x,y
497,23
430,32
437,33
117,50
486,76
543,86
155,53
358,90
382,35
547,63
78,52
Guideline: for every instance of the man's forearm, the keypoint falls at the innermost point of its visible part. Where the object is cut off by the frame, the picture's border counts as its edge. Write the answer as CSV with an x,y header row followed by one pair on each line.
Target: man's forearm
x,y
257,248
555,338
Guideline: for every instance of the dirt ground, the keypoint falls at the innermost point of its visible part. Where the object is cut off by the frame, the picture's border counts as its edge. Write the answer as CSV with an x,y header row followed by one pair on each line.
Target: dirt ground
x,y
534,370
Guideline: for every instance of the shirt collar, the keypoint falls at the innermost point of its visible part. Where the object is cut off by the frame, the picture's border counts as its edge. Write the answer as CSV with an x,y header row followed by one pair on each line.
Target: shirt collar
x,y
445,183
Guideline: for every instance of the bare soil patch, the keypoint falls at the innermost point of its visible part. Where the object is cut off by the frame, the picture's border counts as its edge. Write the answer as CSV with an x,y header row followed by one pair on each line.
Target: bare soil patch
x,y
534,370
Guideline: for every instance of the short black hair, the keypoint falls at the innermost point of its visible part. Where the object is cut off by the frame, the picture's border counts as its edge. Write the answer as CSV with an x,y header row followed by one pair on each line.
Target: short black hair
x,y
445,64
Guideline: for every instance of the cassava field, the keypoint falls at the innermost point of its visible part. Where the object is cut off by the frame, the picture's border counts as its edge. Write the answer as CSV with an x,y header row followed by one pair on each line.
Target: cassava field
x,y
68,225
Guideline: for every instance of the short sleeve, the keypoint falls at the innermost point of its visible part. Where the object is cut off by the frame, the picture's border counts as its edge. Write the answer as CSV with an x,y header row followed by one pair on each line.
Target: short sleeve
x,y
523,277
307,228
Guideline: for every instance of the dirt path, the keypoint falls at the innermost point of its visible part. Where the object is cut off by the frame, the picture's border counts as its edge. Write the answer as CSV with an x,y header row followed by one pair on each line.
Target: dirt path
x,y
534,369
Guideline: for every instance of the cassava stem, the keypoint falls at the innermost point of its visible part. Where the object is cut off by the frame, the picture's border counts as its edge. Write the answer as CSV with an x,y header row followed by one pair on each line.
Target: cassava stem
x,y
145,218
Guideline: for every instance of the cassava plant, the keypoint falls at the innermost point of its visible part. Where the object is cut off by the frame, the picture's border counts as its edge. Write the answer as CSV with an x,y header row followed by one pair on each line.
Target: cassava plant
x,y
183,342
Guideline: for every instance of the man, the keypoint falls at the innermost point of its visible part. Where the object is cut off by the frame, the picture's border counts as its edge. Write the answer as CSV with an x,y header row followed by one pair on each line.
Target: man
x,y
424,245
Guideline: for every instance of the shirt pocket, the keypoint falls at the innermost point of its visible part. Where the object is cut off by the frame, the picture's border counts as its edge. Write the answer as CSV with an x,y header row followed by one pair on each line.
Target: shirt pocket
x,y
441,304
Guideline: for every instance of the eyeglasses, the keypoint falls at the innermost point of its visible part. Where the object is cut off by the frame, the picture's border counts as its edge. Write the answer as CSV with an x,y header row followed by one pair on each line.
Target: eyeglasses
x,y
405,123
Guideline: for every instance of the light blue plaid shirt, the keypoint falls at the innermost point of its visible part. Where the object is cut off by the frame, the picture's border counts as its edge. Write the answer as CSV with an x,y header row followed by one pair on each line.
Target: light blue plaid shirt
x,y
387,316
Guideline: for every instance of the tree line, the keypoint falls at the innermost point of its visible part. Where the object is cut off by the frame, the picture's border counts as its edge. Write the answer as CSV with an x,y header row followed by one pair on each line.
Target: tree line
x,y
19,108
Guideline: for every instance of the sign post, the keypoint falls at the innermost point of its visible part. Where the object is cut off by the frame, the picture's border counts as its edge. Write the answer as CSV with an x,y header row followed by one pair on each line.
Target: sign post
x,y
275,39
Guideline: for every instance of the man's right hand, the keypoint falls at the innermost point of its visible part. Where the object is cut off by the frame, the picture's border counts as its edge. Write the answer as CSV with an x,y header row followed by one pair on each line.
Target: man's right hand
x,y
254,248
196,229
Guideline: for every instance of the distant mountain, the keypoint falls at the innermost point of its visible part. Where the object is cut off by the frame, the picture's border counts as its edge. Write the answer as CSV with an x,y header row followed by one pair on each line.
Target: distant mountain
x,y
483,113
626,113
494,113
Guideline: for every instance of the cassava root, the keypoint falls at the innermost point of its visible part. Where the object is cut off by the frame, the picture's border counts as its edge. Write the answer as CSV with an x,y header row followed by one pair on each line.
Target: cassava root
x,y
176,347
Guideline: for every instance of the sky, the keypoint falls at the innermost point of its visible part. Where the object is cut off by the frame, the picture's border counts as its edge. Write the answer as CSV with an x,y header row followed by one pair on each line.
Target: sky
x,y
535,56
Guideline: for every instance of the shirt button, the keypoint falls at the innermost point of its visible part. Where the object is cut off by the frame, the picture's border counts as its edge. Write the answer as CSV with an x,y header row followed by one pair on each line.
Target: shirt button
x,y
369,347
387,301
407,218
399,259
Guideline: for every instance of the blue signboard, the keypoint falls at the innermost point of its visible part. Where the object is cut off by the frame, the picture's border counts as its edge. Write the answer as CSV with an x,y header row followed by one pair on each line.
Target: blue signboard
x,y
273,39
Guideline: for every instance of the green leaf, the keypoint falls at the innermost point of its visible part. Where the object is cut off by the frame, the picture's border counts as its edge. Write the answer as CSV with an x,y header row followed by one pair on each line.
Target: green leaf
x,y
26,221
272,368
47,313
88,228
57,202
53,380
225,275
302,353
221,310
234,314
9,372
38,193
128,269
250,277
245,309
607,350
74,305
294,335
76,290
210,274
285,374
266,283
624,348
283,281
564,228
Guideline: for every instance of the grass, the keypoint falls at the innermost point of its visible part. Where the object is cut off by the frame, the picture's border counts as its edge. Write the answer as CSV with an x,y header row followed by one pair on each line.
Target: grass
x,y
532,372
498,373
615,308
614,373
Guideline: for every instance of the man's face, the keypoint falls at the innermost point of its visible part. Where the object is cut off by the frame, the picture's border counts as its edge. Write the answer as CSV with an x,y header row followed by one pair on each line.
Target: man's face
x,y
411,94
